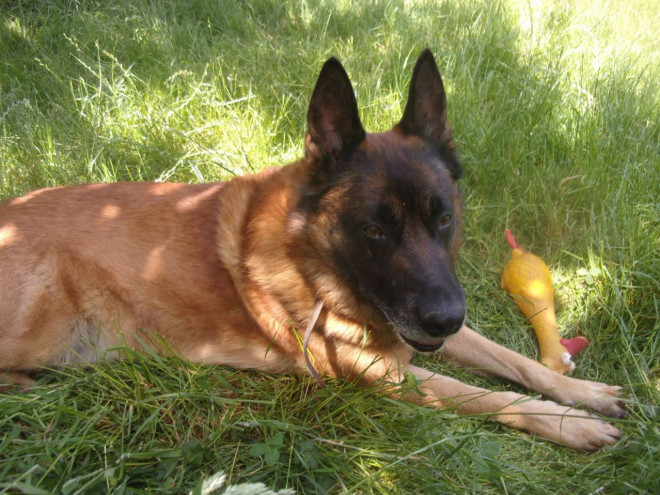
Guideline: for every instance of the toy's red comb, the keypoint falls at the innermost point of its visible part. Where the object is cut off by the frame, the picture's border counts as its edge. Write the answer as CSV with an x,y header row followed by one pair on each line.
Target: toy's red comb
x,y
510,239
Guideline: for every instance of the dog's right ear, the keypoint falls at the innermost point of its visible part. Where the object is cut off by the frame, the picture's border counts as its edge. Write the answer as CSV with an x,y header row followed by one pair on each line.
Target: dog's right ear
x,y
333,122
425,114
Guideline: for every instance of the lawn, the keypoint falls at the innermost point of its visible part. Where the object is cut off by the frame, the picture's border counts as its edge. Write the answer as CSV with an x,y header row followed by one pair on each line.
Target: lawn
x,y
555,107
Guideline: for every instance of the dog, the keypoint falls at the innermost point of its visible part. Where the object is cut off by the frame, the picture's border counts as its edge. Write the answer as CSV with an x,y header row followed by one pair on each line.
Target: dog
x,y
356,242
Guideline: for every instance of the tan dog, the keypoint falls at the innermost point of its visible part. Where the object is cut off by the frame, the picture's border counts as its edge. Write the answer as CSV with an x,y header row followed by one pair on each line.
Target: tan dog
x,y
364,229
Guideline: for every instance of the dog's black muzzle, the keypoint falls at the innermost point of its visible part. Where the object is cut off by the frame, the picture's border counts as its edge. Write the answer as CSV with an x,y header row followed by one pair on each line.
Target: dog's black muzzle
x,y
438,317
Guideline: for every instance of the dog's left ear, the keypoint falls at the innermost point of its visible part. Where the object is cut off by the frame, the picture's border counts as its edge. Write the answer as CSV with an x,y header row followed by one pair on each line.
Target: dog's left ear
x,y
426,110
333,122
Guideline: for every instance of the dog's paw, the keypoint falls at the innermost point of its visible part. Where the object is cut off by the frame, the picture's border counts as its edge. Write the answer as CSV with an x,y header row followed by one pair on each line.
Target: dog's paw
x,y
568,426
599,397
15,381
580,430
606,400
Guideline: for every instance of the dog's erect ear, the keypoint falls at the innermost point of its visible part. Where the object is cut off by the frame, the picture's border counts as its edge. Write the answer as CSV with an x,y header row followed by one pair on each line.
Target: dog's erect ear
x,y
426,110
333,123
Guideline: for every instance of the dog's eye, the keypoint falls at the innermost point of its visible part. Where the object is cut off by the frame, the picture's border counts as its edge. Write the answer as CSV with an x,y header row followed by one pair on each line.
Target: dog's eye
x,y
374,232
445,221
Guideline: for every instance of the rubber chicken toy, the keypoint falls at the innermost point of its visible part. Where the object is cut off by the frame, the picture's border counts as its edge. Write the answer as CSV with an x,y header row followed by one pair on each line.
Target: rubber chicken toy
x,y
527,278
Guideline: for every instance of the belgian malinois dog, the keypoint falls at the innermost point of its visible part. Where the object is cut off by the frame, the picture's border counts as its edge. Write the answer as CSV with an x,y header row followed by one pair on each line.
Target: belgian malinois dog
x,y
356,242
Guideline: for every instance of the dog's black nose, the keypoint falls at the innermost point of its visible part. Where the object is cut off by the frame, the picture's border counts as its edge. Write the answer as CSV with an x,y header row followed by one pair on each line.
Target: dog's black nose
x,y
441,318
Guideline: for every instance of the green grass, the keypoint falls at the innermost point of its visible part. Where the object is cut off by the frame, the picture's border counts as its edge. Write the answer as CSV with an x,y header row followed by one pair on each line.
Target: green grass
x,y
555,106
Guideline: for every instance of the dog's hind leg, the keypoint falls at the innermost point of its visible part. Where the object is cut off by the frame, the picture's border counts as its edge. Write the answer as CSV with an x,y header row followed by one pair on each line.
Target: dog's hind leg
x,y
469,349
11,381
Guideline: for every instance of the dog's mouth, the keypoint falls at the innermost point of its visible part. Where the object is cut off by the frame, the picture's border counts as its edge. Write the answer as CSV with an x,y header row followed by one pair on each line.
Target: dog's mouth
x,y
427,346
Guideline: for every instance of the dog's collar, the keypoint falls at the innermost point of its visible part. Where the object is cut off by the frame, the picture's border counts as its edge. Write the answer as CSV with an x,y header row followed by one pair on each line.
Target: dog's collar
x,y
308,332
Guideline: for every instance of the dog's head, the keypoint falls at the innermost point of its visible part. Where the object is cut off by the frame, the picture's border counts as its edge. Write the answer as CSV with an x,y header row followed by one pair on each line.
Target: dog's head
x,y
384,210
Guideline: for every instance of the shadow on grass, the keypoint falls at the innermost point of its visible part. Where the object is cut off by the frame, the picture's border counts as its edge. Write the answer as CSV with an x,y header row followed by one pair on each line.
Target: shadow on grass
x,y
72,59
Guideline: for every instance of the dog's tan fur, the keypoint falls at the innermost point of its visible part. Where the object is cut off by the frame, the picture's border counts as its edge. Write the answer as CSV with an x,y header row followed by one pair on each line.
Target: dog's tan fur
x,y
220,273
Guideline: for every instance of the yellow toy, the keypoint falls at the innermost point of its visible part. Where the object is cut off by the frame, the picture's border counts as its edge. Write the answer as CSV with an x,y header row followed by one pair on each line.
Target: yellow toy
x,y
528,280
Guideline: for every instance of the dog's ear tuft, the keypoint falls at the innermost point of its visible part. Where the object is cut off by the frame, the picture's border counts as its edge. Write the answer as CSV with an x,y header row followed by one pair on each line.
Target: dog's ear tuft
x,y
333,122
425,114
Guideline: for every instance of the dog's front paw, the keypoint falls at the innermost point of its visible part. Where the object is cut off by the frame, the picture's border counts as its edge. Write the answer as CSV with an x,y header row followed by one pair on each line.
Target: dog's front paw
x,y
564,425
599,397
580,430
606,400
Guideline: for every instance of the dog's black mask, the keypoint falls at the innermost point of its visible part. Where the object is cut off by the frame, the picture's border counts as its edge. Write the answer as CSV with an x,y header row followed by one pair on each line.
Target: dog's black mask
x,y
393,202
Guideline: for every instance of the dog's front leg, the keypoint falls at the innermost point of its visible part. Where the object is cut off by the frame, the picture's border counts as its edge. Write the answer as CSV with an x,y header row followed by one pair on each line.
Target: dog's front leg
x,y
561,424
469,349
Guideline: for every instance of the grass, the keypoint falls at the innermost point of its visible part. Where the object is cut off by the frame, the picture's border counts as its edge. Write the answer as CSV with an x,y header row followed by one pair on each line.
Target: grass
x,y
555,107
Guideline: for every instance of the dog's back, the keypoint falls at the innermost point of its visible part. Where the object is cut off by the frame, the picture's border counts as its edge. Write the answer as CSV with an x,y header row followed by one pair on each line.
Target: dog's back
x,y
83,268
